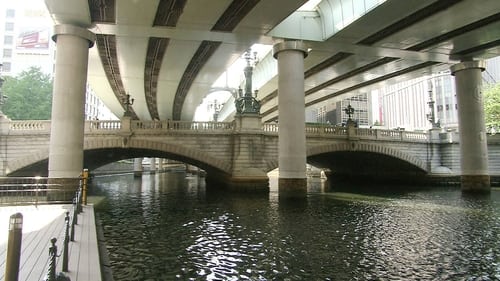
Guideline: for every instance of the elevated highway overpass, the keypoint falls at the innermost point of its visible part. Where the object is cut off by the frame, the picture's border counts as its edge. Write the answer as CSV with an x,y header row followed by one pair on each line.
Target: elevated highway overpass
x,y
167,54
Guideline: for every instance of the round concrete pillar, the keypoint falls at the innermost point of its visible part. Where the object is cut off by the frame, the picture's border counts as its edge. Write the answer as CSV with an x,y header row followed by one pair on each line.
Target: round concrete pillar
x,y
472,130
68,101
291,107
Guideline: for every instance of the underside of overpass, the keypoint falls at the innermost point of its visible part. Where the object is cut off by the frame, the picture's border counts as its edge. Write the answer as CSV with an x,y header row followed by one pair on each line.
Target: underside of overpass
x,y
167,54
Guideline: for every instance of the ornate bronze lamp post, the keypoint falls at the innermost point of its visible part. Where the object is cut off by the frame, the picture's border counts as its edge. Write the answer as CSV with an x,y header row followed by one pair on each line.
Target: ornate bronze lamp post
x,y
216,107
127,101
431,116
349,110
247,102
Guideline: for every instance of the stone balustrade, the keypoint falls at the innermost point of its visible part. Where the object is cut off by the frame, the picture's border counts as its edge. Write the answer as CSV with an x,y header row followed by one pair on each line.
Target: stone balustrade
x,y
223,145
108,126
41,126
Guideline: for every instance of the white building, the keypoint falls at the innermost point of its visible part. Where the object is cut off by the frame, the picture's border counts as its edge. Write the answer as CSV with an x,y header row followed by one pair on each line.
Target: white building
x,y
405,104
25,30
408,104
95,109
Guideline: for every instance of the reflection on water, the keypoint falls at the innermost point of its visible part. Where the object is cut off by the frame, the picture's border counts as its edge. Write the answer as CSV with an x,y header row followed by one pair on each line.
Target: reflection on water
x,y
170,227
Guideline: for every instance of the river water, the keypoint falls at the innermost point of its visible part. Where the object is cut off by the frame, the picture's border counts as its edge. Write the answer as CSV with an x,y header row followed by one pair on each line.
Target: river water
x,y
170,226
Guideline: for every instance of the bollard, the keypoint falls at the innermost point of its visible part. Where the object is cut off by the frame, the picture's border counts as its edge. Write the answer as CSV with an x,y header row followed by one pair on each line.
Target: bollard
x,y
85,184
80,199
75,208
51,271
14,247
74,221
62,277
66,243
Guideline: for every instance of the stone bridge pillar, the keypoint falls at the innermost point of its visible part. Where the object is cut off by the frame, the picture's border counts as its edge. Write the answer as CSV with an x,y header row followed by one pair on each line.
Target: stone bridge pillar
x,y
473,143
291,107
68,101
138,169
248,171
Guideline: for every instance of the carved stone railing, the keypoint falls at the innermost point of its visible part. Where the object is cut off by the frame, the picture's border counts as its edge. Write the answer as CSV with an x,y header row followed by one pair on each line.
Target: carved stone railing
x,y
182,125
317,130
270,127
106,125
320,130
326,130
396,135
27,126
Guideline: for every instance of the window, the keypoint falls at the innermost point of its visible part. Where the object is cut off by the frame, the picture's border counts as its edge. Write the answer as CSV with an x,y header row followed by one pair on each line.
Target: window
x,y
7,53
9,26
10,13
8,39
6,67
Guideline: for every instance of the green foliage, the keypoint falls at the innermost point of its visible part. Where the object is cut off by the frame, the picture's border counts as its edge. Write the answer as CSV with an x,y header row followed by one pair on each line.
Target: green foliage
x,y
492,106
29,95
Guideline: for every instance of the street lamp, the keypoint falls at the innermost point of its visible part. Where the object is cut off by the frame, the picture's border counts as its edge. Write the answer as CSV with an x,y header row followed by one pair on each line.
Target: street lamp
x,y
431,116
349,110
127,101
247,102
216,107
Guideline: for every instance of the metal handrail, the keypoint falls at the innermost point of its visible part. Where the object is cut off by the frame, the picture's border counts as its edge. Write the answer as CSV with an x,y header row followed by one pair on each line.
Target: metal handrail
x,y
30,193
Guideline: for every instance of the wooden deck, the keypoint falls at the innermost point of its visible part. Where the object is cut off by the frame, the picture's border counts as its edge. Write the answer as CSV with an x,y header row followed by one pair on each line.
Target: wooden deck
x,y
42,223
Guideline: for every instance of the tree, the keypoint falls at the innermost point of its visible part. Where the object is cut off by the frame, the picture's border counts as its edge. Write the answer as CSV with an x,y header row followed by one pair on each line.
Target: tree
x,y
492,107
29,95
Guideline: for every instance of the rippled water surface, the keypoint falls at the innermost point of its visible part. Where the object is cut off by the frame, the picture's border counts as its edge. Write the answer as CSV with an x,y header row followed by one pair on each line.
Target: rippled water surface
x,y
170,227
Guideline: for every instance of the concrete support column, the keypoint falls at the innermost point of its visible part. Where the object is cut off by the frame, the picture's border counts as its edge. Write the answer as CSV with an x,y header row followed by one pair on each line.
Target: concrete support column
x,y
471,124
291,108
68,101
138,169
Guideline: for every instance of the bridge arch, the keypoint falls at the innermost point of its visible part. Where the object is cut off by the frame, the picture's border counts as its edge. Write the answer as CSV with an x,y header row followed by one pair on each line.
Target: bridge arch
x,y
314,152
146,148
354,160
98,152
368,148
36,161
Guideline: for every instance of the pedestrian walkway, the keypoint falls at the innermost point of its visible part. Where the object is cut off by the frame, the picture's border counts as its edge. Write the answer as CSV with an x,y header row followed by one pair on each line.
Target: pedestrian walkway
x,y
42,223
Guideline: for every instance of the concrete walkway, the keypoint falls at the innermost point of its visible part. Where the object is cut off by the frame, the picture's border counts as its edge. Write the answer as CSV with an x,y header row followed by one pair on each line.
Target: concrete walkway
x,y
42,223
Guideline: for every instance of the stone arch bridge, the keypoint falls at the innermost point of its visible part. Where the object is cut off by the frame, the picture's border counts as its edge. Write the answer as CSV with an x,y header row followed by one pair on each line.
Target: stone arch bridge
x,y
225,150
